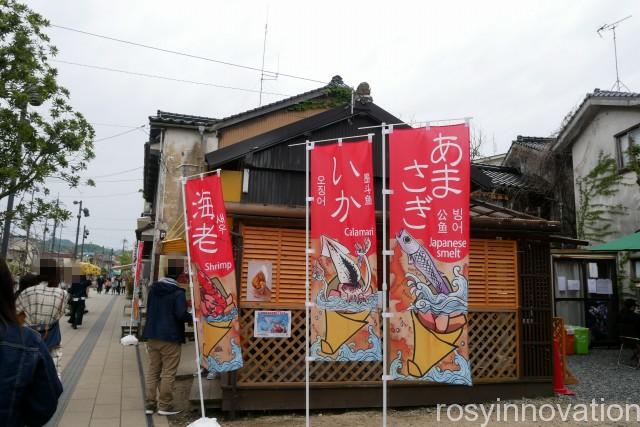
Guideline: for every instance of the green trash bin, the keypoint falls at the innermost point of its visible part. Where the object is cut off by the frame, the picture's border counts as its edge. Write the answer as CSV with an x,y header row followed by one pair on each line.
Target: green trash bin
x,y
581,336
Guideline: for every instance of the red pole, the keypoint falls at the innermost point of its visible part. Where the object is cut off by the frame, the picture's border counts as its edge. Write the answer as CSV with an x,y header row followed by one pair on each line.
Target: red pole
x,y
558,372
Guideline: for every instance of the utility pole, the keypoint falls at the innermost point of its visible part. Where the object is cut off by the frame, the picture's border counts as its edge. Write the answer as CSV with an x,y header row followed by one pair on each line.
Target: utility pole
x,y
85,234
44,233
26,246
55,226
124,241
81,211
75,247
110,262
60,239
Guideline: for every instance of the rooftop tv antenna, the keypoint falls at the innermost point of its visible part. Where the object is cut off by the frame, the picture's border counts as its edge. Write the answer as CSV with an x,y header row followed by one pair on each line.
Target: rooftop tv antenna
x,y
266,75
606,27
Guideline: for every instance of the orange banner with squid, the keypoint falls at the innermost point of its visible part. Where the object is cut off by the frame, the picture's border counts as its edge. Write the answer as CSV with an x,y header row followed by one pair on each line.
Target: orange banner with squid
x,y
429,171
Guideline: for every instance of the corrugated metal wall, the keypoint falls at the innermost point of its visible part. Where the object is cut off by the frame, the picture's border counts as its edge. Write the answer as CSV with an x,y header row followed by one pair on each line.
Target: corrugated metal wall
x,y
275,187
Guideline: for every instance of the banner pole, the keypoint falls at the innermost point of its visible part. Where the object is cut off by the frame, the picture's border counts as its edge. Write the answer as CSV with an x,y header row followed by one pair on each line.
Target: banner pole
x,y
383,131
193,301
306,277
135,285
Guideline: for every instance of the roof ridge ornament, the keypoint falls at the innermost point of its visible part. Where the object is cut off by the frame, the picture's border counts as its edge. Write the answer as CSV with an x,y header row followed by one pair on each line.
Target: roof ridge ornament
x,y
336,81
363,93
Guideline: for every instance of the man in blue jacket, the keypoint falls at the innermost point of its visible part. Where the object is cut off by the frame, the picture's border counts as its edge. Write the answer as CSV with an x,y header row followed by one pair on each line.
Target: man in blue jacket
x,y
164,331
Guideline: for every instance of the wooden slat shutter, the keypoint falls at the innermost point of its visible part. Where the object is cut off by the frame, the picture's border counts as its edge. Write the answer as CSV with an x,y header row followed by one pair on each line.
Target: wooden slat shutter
x,y
493,274
285,249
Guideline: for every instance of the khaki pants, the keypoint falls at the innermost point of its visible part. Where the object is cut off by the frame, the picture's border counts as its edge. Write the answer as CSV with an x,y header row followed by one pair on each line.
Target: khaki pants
x,y
164,358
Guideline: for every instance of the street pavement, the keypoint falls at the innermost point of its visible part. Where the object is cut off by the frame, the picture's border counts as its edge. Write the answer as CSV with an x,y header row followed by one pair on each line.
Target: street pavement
x,y
101,378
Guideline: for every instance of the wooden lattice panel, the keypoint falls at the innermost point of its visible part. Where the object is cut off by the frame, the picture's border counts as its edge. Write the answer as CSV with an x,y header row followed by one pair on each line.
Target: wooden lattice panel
x,y
492,340
536,329
281,360
493,345
493,274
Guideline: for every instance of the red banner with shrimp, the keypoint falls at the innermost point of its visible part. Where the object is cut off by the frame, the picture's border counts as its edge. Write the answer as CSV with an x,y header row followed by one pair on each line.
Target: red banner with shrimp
x,y
429,171
214,278
344,318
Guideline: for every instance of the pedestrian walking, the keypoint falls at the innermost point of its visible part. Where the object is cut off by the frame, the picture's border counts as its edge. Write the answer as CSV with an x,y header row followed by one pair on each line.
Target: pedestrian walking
x,y
100,282
78,294
164,331
107,286
42,305
29,385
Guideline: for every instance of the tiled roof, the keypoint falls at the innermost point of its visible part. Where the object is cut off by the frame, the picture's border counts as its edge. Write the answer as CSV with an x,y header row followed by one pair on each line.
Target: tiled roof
x,y
633,97
534,142
612,93
507,178
335,81
188,120
181,119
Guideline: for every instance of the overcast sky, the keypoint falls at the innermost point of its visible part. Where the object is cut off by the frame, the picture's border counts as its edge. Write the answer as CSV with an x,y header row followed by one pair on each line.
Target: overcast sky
x,y
516,67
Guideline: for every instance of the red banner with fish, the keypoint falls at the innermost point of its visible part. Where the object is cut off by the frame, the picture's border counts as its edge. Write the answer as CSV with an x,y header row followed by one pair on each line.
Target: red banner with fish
x,y
214,279
429,171
345,315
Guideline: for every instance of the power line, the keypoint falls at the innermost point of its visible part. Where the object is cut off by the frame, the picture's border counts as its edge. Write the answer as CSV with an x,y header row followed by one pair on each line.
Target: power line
x,y
189,55
110,229
173,79
113,125
118,173
119,180
94,218
81,196
118,134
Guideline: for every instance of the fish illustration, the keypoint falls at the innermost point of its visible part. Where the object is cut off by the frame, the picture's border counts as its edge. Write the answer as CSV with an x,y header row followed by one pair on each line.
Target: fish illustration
x,y
420,257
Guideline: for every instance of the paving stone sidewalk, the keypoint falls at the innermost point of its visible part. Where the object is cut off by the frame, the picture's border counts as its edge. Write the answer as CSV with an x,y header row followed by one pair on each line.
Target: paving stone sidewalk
x,y
108,391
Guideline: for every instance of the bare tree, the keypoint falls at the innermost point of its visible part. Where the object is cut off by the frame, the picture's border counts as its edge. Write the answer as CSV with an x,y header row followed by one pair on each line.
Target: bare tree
x,y
478,139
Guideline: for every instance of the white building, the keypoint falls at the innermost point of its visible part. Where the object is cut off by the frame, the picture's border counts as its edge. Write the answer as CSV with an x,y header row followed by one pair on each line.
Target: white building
x,y
607,122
